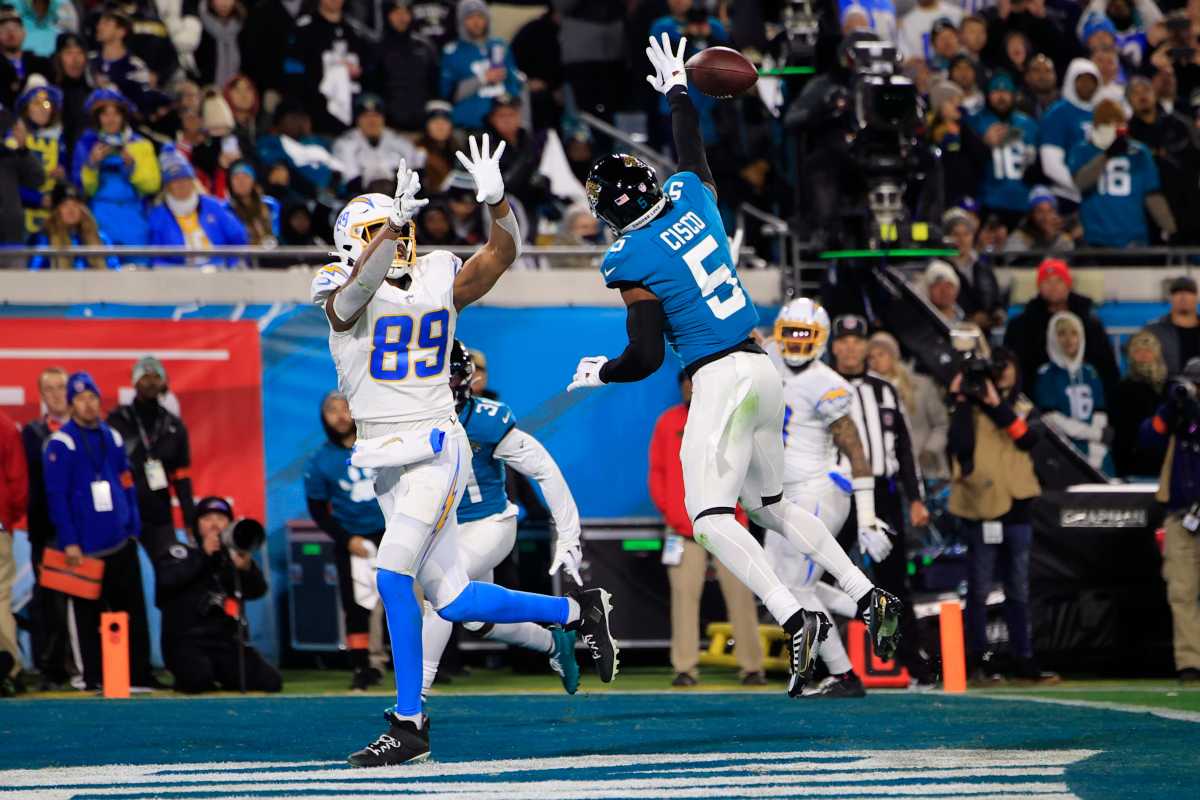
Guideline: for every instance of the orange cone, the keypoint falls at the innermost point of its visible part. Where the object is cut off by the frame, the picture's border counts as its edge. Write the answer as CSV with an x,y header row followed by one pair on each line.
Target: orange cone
x,y
114,648
954,661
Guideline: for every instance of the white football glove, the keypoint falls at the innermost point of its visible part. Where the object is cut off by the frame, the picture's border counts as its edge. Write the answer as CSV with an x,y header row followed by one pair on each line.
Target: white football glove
x,y
875,540
406,205
668,66
567,556
484,167
587,374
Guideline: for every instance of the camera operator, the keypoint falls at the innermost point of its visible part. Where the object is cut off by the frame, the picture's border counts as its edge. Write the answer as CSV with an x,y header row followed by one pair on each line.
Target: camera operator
x,y
198,587
992,488
1175,428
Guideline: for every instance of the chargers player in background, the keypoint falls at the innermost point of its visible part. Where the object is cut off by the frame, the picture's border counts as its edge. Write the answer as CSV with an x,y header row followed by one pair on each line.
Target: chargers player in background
x,y
392,319
487,522
674,270
817,425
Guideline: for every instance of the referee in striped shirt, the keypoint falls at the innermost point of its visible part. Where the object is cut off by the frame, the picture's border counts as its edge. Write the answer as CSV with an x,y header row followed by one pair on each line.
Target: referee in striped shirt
x,y
879,415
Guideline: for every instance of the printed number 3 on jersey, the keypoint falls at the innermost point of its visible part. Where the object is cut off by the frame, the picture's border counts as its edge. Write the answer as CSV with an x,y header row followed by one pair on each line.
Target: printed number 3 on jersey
x,y
394,354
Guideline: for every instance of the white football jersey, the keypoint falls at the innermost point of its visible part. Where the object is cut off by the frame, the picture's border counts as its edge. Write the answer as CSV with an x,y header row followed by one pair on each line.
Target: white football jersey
x,y
814,399
393,365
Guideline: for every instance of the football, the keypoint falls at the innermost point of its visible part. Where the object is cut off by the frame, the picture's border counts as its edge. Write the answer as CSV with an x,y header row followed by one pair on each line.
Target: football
x,y
721,72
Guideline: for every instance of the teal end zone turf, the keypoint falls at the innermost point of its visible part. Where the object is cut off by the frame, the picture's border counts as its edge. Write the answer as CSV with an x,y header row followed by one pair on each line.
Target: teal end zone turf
x,y
601,745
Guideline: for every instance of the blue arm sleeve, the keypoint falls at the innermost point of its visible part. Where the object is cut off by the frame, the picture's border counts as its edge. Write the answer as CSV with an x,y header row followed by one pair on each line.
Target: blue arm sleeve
x,y
56,472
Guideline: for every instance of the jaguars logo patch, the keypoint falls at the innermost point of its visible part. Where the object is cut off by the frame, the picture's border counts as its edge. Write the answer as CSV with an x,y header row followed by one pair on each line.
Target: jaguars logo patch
x,y
178,551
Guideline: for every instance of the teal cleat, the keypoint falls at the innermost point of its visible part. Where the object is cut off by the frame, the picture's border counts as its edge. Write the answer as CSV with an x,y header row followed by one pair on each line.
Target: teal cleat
x,y
562,660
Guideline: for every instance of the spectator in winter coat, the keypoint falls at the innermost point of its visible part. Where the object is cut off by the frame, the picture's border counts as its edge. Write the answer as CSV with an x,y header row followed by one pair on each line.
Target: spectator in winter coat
x,y
187,216
70,224
1178,331
1069,393
1040,89
1119,184
1065,124
258,212
1139,394
923,404
20,169
114,66
44,20
328,56
39,106
438,143
265,41
16,62
116,168
1042,229
964,156
1012,138
220,148
1026,332
312,173
687,560
1175,144
71,77
406,74
370,151
94,508
219,58
477,68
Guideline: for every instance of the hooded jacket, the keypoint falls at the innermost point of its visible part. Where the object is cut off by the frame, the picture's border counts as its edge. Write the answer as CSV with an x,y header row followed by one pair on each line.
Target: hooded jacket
x,y
1063,126
1070,394
463,65
1026,336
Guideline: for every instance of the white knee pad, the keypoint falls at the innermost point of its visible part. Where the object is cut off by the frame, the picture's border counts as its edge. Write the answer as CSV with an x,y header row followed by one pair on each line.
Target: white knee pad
x,y
442,582
402,544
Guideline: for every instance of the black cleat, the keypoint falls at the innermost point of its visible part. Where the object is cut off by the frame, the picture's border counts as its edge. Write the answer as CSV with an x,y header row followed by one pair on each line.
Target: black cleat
x,y
809,629
838,686
595,606
403,743
684,681
882,616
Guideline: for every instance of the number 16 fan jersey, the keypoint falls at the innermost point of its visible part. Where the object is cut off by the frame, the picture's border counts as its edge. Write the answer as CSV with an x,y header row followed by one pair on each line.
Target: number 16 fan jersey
x,y
393,364
683,258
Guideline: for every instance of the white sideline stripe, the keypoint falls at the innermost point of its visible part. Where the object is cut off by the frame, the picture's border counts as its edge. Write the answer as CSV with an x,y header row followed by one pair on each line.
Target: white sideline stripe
x,y
1165,713
840,773
107,354
948,758
685,793
588,788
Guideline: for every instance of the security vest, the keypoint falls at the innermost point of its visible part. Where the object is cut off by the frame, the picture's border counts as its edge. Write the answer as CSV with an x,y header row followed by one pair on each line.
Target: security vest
x,y
1003,472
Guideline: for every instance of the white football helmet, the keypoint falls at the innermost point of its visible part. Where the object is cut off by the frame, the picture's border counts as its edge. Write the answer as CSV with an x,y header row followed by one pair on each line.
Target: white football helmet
x,y
801,331
360,220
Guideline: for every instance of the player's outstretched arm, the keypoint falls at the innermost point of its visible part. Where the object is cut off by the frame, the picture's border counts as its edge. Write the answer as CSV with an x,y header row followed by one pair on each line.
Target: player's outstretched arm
x,y
644,353
344,305
482,270
874,536
670,79
529,457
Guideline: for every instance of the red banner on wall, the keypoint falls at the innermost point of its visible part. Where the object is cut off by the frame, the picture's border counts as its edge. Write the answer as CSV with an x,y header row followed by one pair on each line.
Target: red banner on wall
x,y
214,370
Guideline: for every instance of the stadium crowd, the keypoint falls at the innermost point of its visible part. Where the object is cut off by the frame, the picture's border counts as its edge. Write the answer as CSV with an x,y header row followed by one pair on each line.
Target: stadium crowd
x,y
165,122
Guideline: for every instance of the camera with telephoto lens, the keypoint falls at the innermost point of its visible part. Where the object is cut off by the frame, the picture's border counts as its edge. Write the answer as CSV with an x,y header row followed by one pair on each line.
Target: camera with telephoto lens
x,y
977,370
243,535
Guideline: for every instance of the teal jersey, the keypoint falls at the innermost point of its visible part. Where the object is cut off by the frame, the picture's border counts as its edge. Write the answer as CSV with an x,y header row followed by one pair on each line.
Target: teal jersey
x,y
486,422
683,258
1064,125
349,490
1003,183
1077,395
1114,211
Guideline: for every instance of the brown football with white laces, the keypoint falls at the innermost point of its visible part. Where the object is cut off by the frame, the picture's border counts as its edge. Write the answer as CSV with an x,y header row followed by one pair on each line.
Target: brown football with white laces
x,y
721,72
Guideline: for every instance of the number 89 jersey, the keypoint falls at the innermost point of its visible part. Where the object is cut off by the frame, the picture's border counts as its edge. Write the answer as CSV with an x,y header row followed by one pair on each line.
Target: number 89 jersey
x,y
683,258
393,364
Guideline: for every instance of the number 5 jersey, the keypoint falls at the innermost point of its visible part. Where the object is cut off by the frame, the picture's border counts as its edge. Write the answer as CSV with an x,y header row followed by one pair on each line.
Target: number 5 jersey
x,y
683,258
393,364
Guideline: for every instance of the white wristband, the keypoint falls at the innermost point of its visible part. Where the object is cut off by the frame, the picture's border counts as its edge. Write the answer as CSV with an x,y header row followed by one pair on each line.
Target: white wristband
x,y
864,501
509,223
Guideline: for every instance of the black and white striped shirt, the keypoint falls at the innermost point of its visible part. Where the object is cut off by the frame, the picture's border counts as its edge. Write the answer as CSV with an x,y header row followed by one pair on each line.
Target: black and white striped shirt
x,y
883,429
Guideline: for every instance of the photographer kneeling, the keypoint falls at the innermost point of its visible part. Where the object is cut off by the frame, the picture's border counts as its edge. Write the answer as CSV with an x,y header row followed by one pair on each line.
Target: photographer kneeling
x,y
1176,427
993,485
197,589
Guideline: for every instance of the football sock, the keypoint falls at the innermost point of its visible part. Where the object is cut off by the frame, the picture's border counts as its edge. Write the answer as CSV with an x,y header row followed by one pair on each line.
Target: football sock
x,y
404,625
435,633
519,634
487,602
572,610
809,535
733,546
